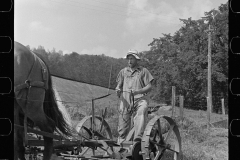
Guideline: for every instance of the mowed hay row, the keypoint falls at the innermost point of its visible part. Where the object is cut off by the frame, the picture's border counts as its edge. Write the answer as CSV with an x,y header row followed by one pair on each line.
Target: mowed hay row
x,y
81,93
77,98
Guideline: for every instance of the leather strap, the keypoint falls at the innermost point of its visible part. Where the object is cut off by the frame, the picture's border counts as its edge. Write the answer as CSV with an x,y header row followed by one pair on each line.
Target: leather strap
x,y
27,85
29,82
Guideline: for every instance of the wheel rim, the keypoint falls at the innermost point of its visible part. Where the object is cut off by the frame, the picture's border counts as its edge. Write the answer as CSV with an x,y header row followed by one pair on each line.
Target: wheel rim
x,y
161,139
84,128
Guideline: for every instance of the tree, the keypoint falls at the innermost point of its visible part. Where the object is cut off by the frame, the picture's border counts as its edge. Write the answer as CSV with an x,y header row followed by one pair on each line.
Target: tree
x,y
181,60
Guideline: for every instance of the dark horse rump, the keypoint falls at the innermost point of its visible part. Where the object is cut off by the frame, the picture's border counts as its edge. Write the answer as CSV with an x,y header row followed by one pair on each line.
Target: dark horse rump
x,y
34,97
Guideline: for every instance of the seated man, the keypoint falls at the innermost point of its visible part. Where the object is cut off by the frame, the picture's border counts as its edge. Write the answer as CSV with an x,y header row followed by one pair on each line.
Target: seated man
x,y
135,79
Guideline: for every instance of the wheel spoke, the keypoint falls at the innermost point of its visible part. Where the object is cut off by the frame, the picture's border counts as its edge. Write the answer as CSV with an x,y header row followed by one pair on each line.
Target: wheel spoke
x,y
91,123
159,154
101,124
155,135
102,129
93,151
160,131
172,150
104,133
84,151
156,143
169,133
100,135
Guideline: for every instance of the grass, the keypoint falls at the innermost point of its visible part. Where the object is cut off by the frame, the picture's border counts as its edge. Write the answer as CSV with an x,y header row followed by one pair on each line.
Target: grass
x,y
201,144
198,143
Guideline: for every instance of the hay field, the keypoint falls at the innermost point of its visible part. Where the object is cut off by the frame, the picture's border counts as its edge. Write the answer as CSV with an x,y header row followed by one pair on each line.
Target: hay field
x,y
198,143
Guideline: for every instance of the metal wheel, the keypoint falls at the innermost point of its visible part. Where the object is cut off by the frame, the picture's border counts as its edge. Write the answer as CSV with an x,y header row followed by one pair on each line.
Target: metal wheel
x,y
161,140
99,130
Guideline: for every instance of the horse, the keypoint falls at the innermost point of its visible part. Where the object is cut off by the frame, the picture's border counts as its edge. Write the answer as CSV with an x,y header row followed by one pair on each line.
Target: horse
x,y
34,98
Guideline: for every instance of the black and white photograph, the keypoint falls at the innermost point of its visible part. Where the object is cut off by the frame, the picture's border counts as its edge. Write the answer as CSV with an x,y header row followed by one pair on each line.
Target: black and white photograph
x,y
121,80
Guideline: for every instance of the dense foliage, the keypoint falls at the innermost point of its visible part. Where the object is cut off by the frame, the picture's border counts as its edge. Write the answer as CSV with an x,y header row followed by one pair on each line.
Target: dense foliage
x,y
181,60
174,60
92,69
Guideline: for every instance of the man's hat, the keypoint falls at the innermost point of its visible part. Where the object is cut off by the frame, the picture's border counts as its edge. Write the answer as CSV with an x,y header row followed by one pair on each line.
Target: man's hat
x,y
133,53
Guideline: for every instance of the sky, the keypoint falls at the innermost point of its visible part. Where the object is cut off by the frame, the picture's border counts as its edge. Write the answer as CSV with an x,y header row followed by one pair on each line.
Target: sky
x,y
109,27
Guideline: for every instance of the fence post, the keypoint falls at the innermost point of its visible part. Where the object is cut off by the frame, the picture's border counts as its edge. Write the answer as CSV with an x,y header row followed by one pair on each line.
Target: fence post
x,y
181,107
208,112
223,108
173,100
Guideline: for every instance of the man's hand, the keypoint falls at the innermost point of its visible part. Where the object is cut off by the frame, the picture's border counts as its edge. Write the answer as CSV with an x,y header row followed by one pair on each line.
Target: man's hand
x,y
135,92
145,89
118,91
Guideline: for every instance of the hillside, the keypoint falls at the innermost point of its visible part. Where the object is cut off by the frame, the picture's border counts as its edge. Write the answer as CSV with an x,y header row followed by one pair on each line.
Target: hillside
x,y
77,97
197,142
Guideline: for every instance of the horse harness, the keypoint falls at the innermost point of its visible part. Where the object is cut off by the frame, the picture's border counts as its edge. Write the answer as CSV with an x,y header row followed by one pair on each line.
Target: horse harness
x,y
30,82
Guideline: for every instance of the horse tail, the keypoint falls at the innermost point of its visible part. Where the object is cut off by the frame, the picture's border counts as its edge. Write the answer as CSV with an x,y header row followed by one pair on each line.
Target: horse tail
x,y
53,111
